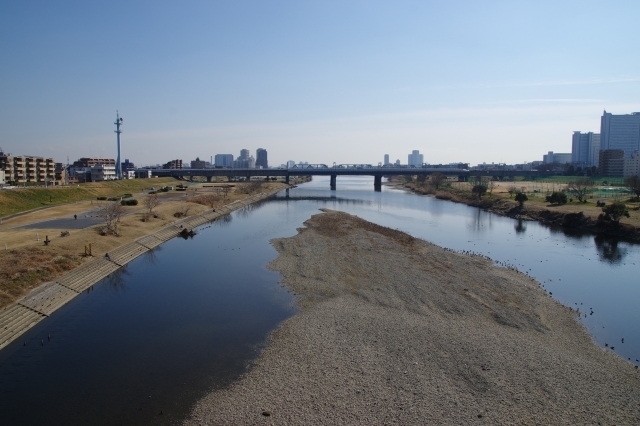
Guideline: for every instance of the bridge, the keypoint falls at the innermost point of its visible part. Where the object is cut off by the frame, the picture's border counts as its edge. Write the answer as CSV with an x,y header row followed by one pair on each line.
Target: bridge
x,y
343,170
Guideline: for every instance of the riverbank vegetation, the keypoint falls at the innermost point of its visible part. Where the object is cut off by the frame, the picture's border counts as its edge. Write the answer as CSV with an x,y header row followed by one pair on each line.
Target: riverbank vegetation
x,y
19,200
573,202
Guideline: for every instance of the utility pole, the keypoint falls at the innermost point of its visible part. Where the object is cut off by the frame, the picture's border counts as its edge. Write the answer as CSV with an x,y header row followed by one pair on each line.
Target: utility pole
x,y
118,131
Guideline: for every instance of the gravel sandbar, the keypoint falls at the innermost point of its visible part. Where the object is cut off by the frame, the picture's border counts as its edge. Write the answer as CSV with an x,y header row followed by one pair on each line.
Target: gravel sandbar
x,y
395,330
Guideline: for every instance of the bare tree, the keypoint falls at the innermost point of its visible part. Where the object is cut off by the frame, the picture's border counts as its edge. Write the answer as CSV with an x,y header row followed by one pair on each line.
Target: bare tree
x,y
151,202
111,213
633,183
580,188
491,186
225,190
512,190
437,179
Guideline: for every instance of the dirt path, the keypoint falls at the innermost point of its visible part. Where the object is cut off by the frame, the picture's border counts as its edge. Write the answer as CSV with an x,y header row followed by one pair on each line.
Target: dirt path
x,y
394,330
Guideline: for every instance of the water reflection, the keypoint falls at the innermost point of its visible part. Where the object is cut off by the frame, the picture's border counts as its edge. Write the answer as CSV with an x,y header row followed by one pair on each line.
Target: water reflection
x,y
150,258
117,280
223,221
520,227
609,250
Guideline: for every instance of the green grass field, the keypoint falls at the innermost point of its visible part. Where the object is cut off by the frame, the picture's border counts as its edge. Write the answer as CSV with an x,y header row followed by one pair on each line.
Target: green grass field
x,y
19,200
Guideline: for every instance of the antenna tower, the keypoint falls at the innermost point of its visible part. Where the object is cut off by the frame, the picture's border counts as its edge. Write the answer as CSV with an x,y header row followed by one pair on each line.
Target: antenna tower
x,y
118,123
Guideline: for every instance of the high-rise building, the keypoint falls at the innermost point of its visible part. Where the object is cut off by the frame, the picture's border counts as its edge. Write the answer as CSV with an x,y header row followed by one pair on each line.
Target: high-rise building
x,y
290,164
620,132
416,159
585,148
261,158
611,162
244,154
224,160
386,159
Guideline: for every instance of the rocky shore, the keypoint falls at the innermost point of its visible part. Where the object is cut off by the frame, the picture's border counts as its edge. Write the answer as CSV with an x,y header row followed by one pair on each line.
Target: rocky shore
x,y
395,330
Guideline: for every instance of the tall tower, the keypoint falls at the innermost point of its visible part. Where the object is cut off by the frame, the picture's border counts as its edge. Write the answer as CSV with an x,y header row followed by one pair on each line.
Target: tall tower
x,y
118,131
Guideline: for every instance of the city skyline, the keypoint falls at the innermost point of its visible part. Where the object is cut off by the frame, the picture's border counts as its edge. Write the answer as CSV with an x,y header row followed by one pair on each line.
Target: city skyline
x,y
318,82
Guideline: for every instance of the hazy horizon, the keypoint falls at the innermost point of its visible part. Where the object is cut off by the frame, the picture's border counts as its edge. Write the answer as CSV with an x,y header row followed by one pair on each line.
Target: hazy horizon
x,y
320,82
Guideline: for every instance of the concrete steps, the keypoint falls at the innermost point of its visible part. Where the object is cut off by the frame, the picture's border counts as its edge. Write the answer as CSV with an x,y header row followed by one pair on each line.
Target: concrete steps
x,y
150,241
126,253
88,274
15,320
47,298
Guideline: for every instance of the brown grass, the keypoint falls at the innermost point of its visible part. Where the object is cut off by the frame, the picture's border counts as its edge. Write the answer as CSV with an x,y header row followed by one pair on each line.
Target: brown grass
x,y
20,268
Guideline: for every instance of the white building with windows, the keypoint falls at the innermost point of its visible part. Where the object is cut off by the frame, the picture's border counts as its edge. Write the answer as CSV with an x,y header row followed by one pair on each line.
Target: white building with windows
x,y
2,179
386,159
102,172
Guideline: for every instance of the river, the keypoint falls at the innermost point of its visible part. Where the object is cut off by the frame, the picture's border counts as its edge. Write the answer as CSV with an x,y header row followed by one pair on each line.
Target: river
x,y
145,343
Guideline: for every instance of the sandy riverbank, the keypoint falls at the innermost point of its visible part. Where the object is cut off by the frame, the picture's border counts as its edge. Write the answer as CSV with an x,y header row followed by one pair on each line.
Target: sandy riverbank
x,y
396,330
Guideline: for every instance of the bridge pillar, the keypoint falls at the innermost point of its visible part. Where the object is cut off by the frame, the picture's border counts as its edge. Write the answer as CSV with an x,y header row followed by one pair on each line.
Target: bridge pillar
x,y
228,178
463,178
208,178
377,183
333,182
286,179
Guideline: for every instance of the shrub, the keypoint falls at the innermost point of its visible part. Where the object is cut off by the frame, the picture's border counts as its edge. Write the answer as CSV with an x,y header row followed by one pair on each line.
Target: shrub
x,y
129,202
557,198
521,197
614,212
102,198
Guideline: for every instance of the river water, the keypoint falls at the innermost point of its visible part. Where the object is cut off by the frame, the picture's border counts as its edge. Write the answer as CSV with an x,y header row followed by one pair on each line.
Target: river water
x,y
189,317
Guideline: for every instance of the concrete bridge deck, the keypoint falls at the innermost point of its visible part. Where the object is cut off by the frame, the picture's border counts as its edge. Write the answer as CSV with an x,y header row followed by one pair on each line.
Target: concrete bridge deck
x,y
343,170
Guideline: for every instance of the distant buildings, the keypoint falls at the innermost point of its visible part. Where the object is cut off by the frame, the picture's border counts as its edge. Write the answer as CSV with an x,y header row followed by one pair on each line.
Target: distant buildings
x,y
223,160
261,158
173,164
128,166
290,164
198,164
244,161
632,165
558,158
22,169
102,172
416,159
3,182
386,160
585,149
620,132
611,162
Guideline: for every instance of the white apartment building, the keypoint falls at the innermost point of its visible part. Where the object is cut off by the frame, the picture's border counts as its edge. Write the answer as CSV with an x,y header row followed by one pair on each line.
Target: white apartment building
x,y
101,172
2,180
585,149
632,165
620,132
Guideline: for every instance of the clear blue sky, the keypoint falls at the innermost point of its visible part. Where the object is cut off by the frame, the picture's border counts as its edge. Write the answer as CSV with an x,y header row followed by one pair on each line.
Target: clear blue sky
x,y
317,81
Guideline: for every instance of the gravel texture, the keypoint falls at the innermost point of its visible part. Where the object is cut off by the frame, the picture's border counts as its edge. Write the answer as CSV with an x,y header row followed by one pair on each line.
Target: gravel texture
x,y
395,330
